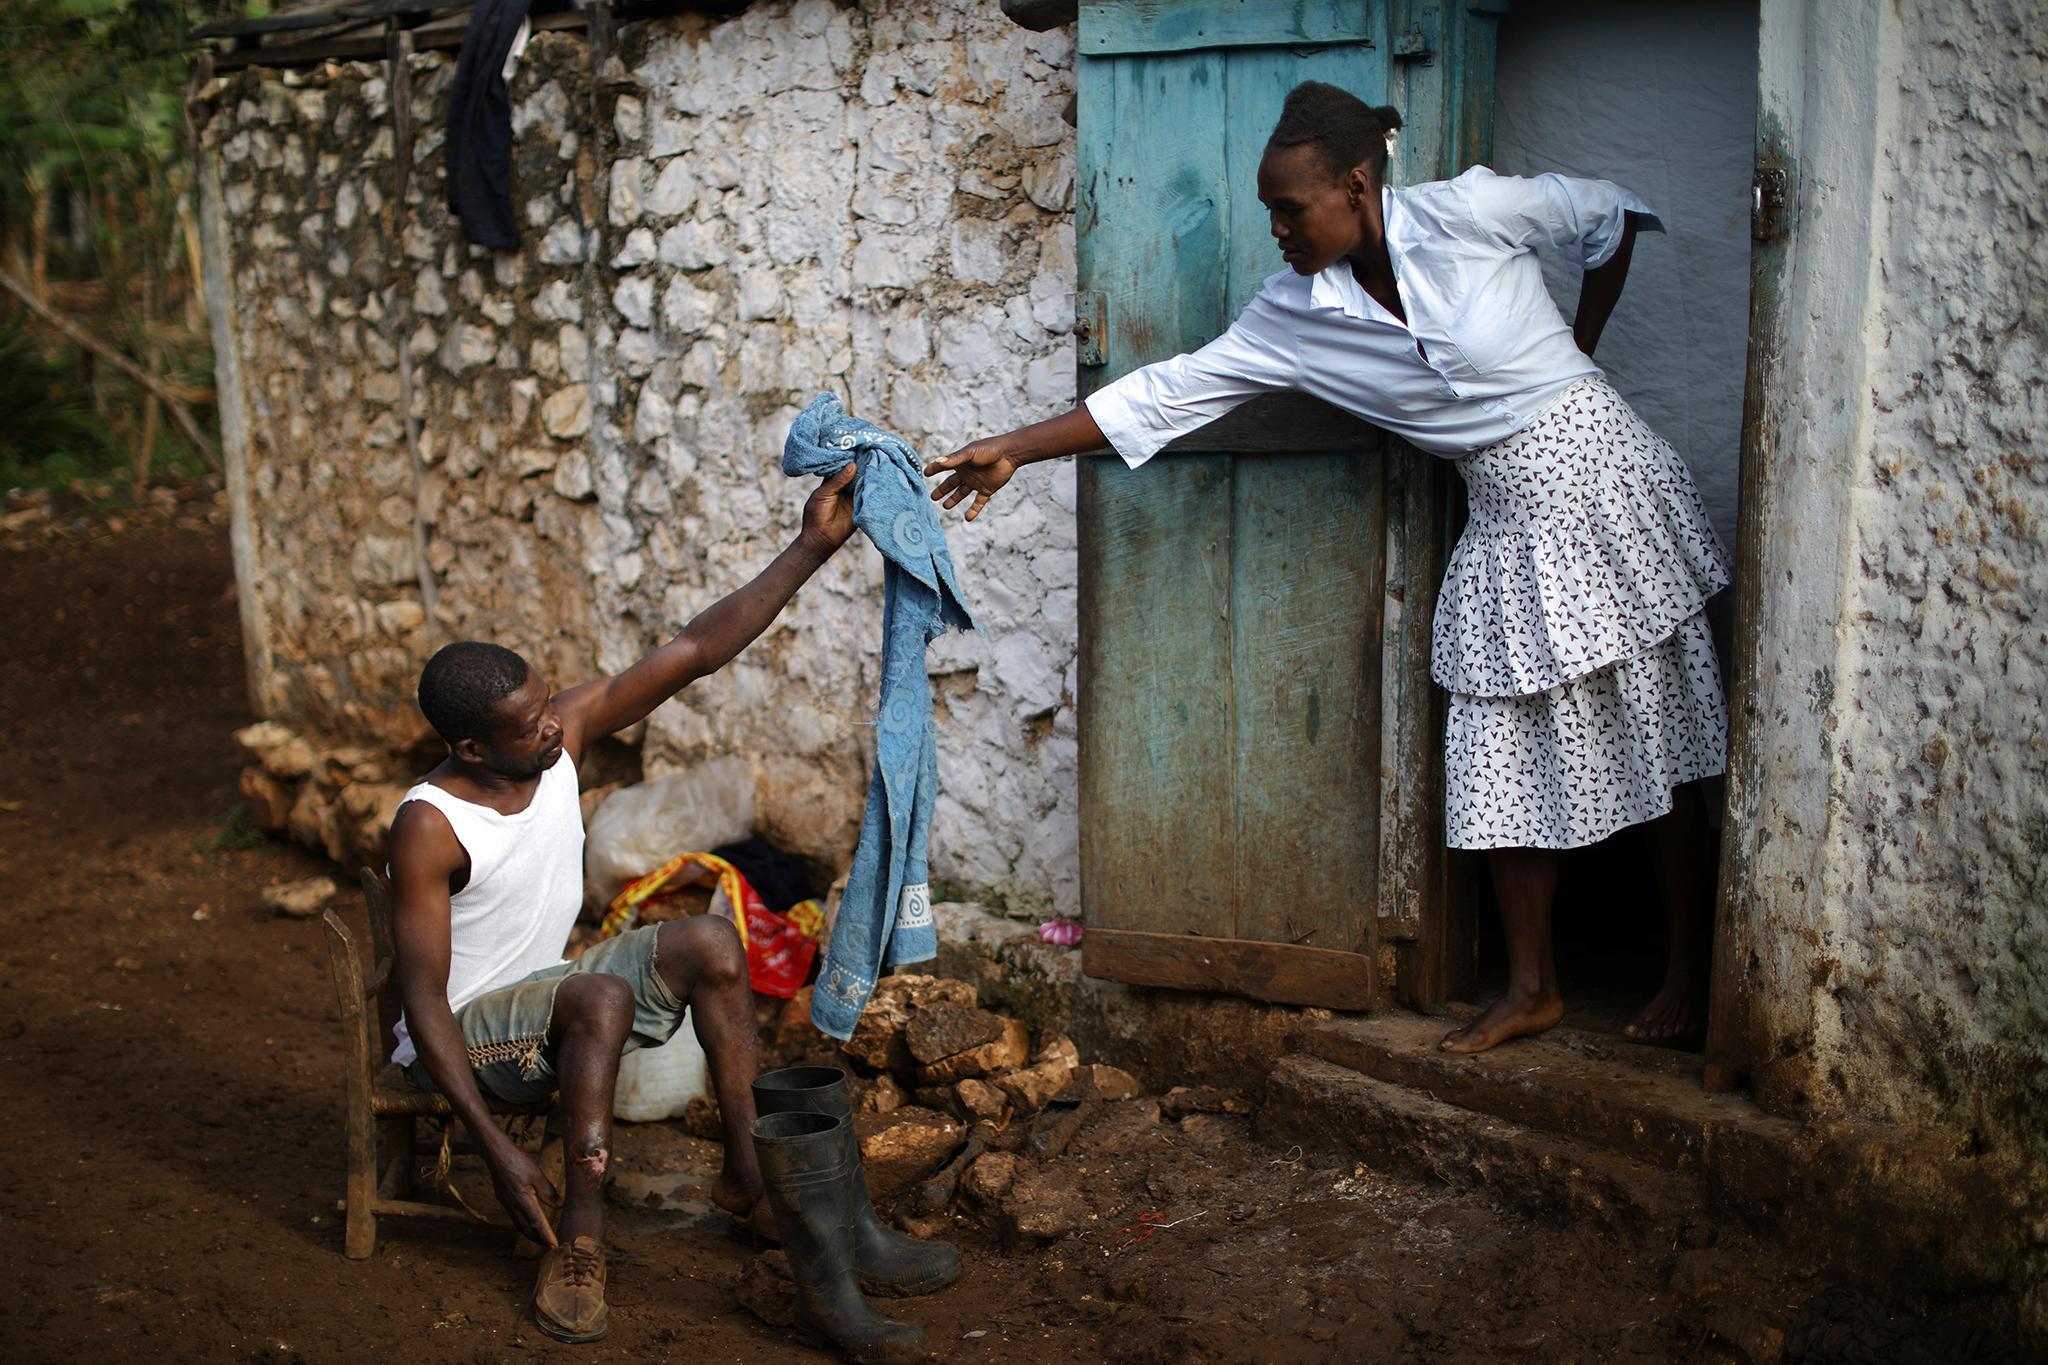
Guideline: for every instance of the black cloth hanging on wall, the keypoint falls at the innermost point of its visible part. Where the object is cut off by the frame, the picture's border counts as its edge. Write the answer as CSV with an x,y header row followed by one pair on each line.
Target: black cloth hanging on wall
x,y
479,142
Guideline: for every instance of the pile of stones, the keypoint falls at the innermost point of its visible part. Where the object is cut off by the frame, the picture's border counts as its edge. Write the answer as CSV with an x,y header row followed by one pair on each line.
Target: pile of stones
x,y
961,1111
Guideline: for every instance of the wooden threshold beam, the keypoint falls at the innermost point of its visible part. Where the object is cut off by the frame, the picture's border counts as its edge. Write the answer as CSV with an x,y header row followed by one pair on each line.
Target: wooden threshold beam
x,y
1282,973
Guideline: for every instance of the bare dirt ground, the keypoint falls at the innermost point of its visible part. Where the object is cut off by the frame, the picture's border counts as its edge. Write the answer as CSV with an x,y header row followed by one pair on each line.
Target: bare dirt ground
x,y
172,1153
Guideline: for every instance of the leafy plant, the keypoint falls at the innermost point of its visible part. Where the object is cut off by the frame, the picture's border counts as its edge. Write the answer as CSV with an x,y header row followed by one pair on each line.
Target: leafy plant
x,y
46,419
237,831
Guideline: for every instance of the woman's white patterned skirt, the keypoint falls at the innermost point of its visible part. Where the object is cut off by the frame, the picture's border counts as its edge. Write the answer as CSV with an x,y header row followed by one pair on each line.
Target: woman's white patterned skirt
x,y
1570,631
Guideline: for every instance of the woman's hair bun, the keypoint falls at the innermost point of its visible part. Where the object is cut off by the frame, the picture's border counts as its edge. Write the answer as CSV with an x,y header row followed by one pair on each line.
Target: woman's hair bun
x,y
1345,130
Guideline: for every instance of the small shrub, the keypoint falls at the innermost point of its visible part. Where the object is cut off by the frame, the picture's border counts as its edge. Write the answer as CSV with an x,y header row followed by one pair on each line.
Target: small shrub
x,y
237,831
49,433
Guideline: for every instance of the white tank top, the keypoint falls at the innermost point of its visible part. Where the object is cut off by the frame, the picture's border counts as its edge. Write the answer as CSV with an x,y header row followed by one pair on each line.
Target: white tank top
x,y
525,887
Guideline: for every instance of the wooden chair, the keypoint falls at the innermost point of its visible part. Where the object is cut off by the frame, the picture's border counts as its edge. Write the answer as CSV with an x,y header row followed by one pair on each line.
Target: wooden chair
x,y
382,1106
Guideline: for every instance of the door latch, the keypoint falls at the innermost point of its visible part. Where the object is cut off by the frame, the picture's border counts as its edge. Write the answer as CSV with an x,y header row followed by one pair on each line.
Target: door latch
x,y
1091,326
1770,204
1413,46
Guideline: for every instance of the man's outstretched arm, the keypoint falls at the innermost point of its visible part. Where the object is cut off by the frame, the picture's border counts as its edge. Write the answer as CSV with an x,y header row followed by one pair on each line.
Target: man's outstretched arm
x,y
717,634
424,854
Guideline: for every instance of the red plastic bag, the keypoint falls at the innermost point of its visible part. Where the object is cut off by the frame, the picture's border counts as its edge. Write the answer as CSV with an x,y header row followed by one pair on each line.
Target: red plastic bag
x,y
780,948
779,952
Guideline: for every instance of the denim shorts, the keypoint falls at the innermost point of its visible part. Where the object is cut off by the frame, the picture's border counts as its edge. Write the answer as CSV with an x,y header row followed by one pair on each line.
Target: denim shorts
x,y
506,1030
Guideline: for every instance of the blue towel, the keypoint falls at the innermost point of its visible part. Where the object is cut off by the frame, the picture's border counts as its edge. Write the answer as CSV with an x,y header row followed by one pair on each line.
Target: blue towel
x,y
885,916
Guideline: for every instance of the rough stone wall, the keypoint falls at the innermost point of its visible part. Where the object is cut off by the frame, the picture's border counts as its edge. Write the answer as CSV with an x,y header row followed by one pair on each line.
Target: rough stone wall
x,y
332,278
1889,796
874,200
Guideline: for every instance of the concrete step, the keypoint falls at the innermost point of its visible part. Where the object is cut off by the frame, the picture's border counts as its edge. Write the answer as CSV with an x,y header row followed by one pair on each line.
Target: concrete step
x,y
1644,1103
1328,1107
1587,1126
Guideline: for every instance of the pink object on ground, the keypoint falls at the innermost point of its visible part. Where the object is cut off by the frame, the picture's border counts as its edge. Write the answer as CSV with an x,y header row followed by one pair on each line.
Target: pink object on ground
x,y
1061,931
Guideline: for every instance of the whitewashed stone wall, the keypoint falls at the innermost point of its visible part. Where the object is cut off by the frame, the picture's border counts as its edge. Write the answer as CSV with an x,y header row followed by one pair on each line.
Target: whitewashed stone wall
x,y
876,202
322,277
1889,805
871,200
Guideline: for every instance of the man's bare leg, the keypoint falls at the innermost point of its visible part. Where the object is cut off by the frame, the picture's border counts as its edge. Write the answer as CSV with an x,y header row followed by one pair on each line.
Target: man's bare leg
x,y
1524,882
593,1015
703,963
1678,845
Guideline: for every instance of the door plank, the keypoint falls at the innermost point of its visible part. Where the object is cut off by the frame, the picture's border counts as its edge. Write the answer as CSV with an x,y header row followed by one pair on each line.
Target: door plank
x,y
1122,26
1279,972
1280,424
1447,103
1150,207
1158,827
1305,575
1157,824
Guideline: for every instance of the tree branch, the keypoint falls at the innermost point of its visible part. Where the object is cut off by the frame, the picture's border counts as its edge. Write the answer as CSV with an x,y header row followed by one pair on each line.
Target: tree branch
x,y
81,337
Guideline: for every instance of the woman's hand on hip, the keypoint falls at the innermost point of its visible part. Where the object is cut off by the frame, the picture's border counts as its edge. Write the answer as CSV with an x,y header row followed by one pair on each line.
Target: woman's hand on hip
x,y
979,468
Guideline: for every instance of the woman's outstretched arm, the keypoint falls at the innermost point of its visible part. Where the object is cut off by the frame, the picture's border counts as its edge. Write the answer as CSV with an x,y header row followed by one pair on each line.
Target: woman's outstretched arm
x,y
982,467
1140,413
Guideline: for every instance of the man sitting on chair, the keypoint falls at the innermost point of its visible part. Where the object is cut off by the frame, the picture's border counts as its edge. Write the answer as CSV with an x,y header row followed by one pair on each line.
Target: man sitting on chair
x,y
487,881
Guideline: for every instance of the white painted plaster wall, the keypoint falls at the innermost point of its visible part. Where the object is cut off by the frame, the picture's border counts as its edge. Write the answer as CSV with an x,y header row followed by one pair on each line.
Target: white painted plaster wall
x,y
1660,98
1889,799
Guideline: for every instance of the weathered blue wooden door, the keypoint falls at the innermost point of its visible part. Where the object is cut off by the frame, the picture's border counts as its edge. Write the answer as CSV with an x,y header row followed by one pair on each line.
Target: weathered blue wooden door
x,y
1259,811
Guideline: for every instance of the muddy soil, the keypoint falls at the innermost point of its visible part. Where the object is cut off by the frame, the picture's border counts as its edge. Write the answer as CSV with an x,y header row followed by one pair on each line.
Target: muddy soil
x,y
173,1147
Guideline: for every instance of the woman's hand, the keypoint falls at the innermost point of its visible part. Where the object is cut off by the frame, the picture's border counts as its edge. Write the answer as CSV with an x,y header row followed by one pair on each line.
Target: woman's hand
x,y
828,514
980,468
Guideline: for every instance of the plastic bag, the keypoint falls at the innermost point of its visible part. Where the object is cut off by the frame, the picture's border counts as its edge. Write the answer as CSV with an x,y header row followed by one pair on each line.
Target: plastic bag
x,y
780,948
640,826
658,1082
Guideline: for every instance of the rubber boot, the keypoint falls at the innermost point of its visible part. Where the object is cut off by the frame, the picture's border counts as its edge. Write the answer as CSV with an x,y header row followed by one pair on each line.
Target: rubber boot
x,y
814,1193
889,1262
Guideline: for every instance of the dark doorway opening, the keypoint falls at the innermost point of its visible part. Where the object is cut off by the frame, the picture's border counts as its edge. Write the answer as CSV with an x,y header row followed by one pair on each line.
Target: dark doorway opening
x,y
1610,925
1662,99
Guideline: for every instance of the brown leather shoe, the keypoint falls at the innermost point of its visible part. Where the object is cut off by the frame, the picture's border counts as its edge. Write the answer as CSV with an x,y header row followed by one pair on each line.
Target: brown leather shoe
x,y
568,1295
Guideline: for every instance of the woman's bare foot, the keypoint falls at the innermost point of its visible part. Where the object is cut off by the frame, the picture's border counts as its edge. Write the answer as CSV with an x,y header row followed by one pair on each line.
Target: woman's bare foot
x,y
1511,1016
1675,1012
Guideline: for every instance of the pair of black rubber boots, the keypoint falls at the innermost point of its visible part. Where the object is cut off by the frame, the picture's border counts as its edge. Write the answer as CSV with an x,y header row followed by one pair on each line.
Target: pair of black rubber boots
x,y
837,1245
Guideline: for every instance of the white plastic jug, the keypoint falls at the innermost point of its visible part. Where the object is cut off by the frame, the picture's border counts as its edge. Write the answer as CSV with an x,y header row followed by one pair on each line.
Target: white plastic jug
x,y
657,1082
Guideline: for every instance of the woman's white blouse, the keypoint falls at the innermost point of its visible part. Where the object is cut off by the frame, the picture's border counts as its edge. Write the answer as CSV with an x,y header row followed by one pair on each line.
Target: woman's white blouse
x,y
1484,347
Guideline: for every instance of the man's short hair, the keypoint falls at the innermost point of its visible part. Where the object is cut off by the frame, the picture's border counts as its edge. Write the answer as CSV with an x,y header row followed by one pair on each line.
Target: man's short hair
x,y
463,685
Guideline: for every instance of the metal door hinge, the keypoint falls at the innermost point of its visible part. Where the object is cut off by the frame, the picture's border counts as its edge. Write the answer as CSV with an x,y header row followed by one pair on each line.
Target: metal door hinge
x,y
1091,326
1770,204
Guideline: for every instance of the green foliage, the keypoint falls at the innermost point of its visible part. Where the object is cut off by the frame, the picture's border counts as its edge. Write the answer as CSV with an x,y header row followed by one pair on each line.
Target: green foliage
x,y
88,89
93,177
236,831
46,417
51,436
